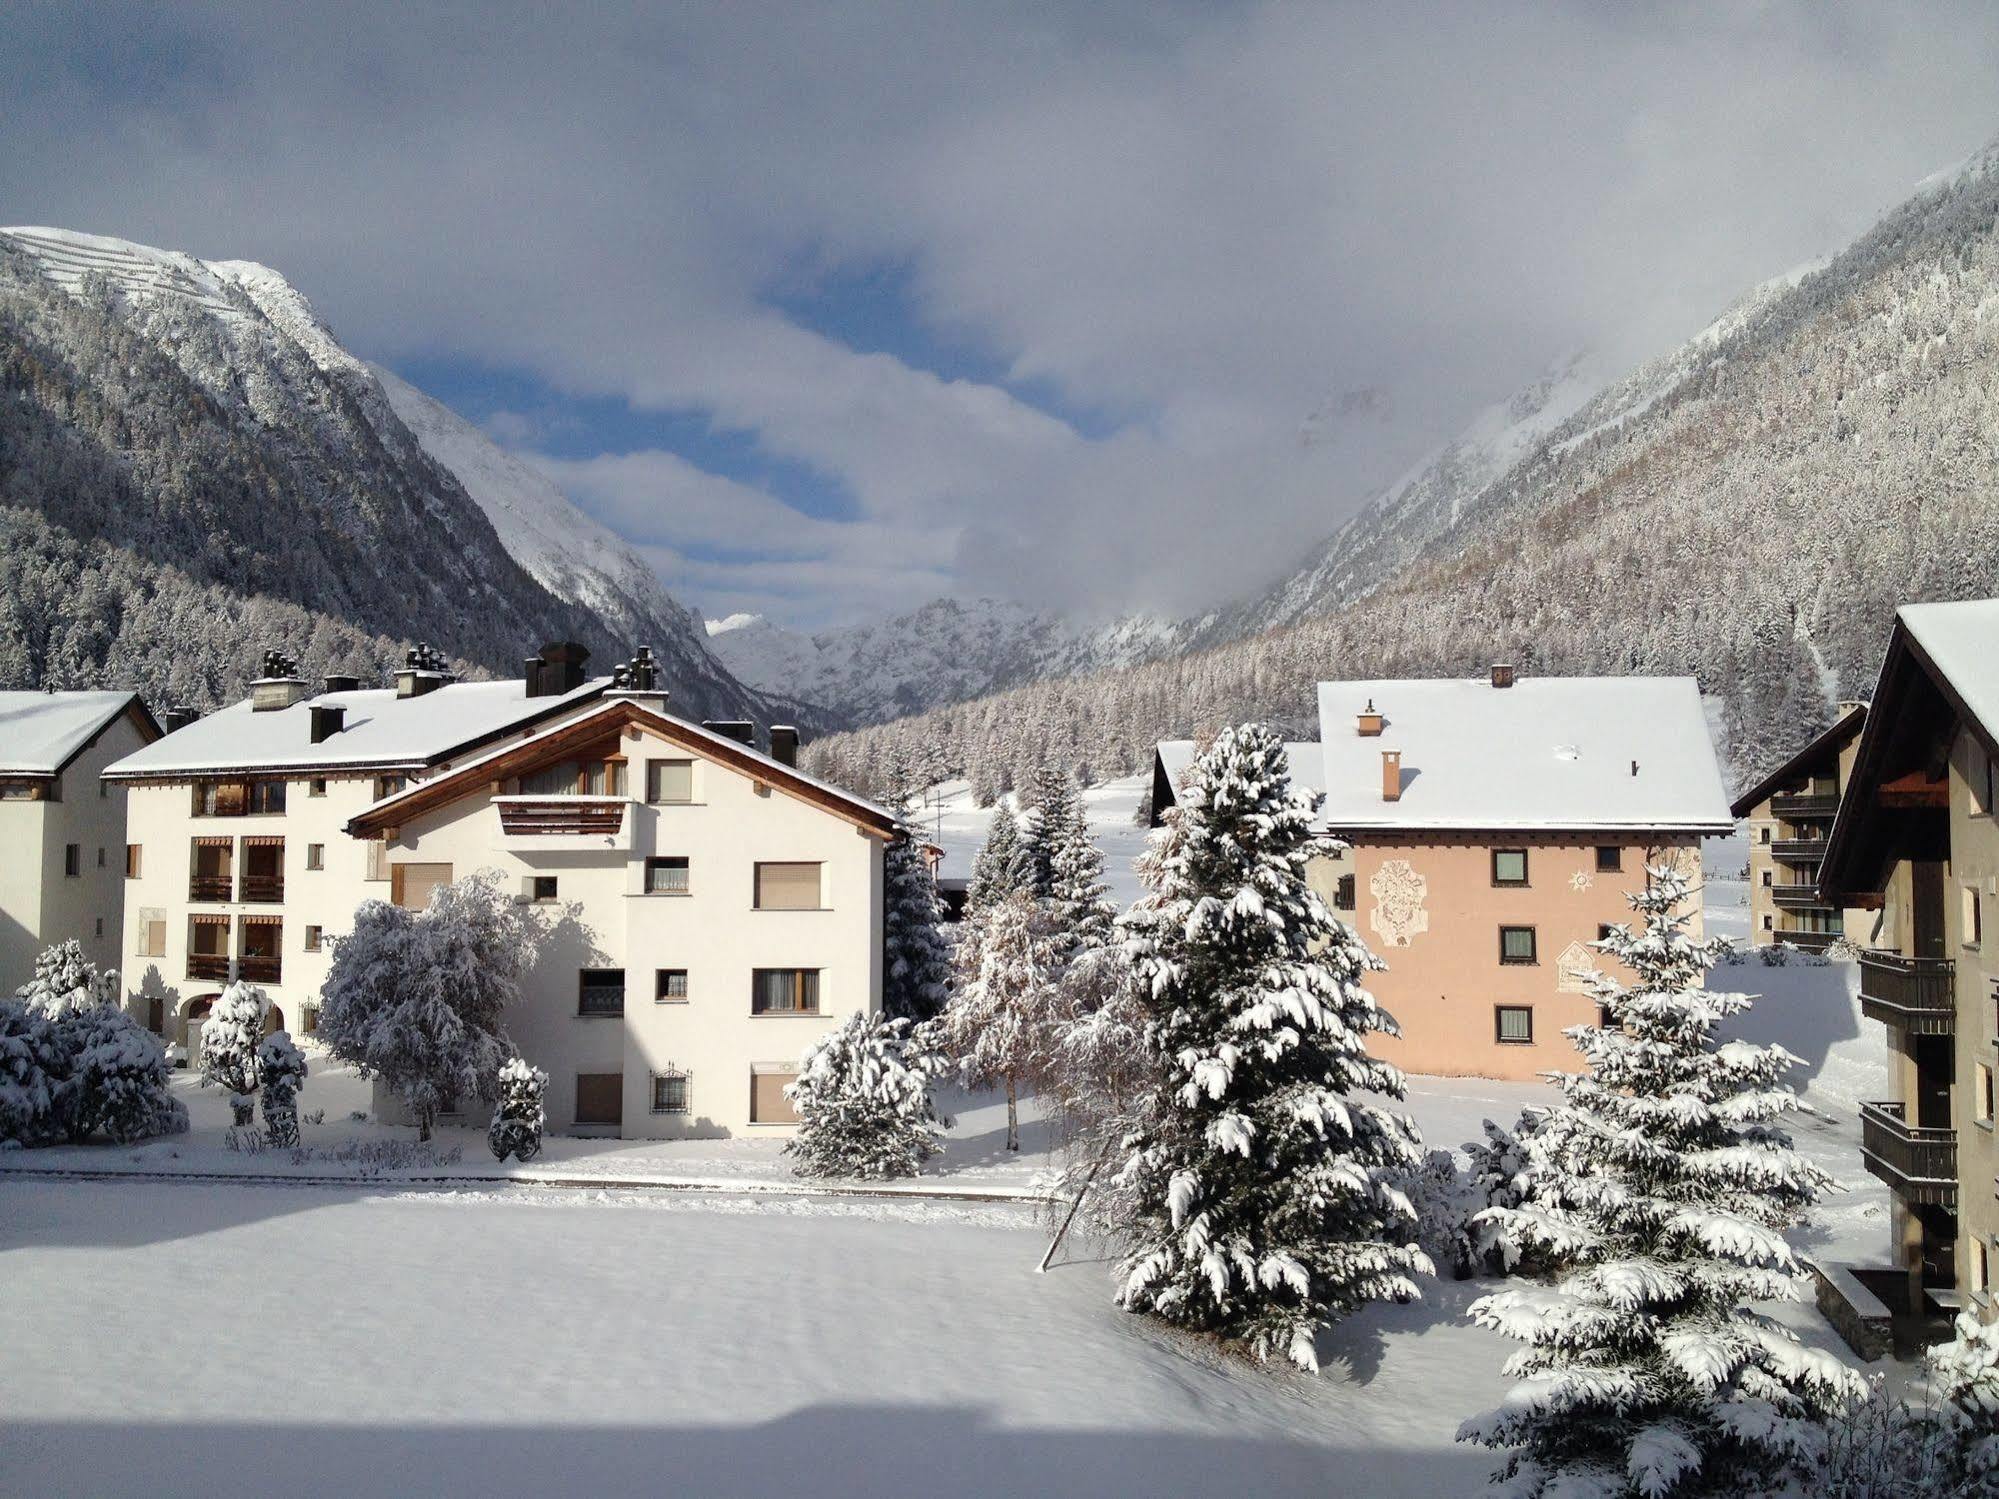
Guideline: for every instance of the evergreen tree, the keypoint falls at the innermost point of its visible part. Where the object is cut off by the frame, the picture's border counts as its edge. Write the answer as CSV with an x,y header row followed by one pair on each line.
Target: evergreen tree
x,y
1002,866
229,1037
997,1024
863,1102
33,1070
118,1082
1658,1189
916,974
518,1117
281,1066
1080,907
65,981
1054,820
1261,1183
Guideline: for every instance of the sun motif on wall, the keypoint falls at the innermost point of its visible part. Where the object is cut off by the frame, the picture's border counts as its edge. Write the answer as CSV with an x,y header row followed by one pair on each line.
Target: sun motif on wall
x,y
1582,879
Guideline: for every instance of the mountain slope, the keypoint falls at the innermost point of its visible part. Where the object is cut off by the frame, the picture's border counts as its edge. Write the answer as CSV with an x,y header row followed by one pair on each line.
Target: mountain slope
x,y
1749,510
191,428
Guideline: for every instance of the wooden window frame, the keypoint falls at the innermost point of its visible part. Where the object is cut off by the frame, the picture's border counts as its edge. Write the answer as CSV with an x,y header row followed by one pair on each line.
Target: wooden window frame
x,y
135,860
583,987
653,768
1346,894
1610,858
1524,882
1499,1014
818,866
799,986
1533,957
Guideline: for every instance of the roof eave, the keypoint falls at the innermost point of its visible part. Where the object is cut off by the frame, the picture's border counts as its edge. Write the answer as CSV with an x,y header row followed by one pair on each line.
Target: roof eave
x,y
1830,740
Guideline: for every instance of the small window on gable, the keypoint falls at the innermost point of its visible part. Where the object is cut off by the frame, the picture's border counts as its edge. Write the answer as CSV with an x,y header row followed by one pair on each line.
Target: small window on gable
x,y
669,781
1509,866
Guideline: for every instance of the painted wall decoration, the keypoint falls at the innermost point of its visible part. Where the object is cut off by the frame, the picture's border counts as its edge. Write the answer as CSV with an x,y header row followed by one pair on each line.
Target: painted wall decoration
x,y
1582,879
1576,970
1398,913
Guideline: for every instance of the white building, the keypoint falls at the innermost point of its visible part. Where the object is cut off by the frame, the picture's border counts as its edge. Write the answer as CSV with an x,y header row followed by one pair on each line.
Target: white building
x,y
62,830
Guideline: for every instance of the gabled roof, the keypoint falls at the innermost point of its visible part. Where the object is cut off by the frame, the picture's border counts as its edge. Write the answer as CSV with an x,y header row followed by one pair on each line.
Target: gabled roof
x,y
1581,753
1821,752
1942,663
380,731
584,729
42,732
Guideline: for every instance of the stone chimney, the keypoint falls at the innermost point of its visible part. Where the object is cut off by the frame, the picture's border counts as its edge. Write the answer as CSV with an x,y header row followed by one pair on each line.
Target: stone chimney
x,y
1502,674
423,671
784,744
739,729
1368,724
1391,775
279,687
639,677
328,719
557,670
179,718
341,683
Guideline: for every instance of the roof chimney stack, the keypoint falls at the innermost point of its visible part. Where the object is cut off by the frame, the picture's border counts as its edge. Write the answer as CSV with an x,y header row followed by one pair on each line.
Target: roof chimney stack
x,y
341,683
279,687
179,718
1502,674
557,670
784,744
423,671
638,677
1391,775
739,729
328,719
1368,724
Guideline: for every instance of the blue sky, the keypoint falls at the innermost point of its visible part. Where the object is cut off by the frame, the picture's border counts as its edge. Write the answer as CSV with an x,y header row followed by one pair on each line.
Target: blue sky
x,y
829,309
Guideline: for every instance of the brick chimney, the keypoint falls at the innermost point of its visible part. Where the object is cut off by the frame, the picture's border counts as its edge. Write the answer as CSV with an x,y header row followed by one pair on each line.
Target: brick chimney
x,y
1391,775
279,687
1502,674
1368,724
784,744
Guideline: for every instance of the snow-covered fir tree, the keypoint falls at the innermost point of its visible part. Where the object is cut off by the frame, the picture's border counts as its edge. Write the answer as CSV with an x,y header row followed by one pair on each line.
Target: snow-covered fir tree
x,y
1054,819
1080,908
281,1068
1002,867
1260,1178
65,980
863,1102
229,1037
916,960
118,1078
518,1116
416,998
1964,1385
997,1024
32,1071
1659,1187
1499,1174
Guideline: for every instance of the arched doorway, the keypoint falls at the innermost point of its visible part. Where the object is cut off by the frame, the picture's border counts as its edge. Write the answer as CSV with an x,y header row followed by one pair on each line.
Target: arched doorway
x,y
198,1007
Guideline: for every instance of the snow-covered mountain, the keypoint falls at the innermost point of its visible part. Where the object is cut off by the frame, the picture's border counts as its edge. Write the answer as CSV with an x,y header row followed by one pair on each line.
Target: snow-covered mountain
x,y
194,430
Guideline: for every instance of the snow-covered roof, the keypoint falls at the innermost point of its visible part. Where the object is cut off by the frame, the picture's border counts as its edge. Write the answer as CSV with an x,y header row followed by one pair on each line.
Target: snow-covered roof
x,y
380,730
1307,765
621,707
1547,752
41,732
1962,643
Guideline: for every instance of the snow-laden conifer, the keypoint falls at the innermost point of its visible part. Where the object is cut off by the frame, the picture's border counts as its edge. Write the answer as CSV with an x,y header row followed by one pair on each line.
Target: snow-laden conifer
x,y
32,1071
1261,1179
281,1070
1054,818
518,1117
118,1079
416,998
229,1036
916,960
863,1102
65,980
998,1022
1002,867
1659,1187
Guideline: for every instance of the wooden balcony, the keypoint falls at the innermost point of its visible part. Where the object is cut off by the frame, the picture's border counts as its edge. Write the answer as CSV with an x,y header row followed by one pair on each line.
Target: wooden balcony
x,y
264,889
208,965
1917,994
209,887
1798,850
1804,803
260,969
1919,1164
585,816
1807,941
1798,898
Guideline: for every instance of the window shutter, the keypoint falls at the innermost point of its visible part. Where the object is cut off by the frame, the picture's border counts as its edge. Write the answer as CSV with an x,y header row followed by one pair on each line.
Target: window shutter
x,y
787,887
768,1105
410,884
671,781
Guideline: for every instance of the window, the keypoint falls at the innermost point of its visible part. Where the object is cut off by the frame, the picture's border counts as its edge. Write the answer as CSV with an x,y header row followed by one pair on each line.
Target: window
x,y
1974,924
72,860
99,932
600,991
134,856
1343,896
1605,1021
151,931
312,939
576,778
315,856
784,991
1610,858
1981,1268
218,798
1509,866
378,860
316,786
1769,924
1766,879
1513,1025
669,781
1981,1093
600,1098
389,785
670,1093
267,797
1763,834
768,1105
787,887
1603,931
670,986
100,856
410,884
666,876
541,888
1516,944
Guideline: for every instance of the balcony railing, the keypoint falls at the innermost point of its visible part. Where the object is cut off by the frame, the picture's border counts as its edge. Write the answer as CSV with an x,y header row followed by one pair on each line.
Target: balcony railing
x,y
265,889
1798,850
1917,994
208,887
1799,898
259,969
208,965
1805,803
1920,1164
585,816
